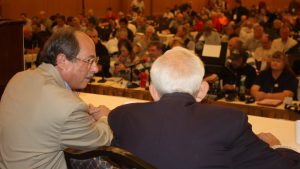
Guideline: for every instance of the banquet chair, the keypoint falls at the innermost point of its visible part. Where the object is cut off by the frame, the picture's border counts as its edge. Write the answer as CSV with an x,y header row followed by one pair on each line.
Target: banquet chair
x,y
107,157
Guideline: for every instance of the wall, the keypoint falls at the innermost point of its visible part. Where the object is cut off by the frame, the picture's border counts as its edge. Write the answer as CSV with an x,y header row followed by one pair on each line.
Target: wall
x,y
12,8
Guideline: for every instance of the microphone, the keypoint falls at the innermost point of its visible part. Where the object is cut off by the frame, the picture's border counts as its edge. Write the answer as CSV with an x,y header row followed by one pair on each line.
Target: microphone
x,y
136,64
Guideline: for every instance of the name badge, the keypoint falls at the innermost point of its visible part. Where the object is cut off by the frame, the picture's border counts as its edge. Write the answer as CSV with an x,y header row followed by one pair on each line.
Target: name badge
x,y
235,17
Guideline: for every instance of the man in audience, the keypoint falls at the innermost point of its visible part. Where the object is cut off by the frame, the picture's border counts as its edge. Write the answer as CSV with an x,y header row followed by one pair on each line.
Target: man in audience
x,y
176,132
40,115
255,41
184,34
155,50
102,53
232,73
61,23
123,22
238,11
45,20
285,42
274,31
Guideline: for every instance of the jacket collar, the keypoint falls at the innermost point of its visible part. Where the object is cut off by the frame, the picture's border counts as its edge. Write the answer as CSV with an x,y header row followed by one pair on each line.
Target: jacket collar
x,y
53,72
183,97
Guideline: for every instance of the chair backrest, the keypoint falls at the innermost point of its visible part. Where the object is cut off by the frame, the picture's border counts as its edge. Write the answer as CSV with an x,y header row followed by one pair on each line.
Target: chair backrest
x,y
103,158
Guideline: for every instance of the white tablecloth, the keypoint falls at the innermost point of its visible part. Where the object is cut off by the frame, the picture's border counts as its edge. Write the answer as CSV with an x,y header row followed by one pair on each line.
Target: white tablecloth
x,y
284,130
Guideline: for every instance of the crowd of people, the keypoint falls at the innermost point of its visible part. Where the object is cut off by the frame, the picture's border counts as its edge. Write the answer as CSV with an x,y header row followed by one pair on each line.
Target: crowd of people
x,y
41,113
126,39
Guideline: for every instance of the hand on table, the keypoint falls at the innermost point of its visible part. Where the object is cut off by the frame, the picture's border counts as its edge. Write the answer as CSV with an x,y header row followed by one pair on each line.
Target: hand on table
x,y
229,87
98,112
260,96
269,138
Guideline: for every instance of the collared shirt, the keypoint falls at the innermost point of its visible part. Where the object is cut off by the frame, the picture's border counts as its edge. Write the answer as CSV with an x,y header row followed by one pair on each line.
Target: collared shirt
x,y
279,45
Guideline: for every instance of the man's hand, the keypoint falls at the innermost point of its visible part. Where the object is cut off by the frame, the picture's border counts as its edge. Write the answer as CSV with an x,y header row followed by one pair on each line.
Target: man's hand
x,y
269,138
260,96
98,112
229,87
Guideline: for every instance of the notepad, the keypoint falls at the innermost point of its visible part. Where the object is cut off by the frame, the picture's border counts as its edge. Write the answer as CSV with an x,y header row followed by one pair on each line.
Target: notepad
x,y
269,102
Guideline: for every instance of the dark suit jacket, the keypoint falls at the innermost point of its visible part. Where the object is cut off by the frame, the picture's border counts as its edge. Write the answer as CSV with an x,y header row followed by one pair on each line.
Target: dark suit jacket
x,y
176,132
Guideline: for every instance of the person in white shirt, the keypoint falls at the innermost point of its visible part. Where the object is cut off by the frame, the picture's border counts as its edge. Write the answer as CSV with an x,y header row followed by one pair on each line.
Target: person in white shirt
x,y
263,54
285,42
137,5
255,41
246,31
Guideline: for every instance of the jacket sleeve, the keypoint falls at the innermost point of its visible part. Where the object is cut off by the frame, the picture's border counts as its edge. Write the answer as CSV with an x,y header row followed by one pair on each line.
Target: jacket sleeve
x,y
80,131
251,152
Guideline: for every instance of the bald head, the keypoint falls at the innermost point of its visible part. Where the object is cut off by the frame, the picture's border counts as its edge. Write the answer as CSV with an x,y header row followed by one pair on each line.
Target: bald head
x,y
235,43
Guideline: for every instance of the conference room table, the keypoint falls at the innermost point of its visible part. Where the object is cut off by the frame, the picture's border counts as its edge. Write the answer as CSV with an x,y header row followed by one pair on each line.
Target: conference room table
x,y
117,87
284,130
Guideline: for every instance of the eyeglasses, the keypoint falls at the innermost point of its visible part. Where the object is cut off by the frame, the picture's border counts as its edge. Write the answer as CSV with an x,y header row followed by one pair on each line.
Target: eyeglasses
x,y
89,61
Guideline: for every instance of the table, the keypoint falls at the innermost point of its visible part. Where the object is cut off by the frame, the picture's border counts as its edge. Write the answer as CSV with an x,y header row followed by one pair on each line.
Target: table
x,y
263,111
284,130
116,87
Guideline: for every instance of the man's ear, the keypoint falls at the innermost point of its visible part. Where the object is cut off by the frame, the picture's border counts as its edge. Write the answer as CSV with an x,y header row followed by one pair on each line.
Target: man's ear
x,y
153,92
203,91
61,61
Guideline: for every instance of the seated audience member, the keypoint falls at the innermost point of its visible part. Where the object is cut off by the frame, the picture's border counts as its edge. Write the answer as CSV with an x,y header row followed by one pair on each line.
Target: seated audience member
x,y
137,6
229,33
234,44
40,115
246,31
28,21
123,23
147,37
263,54
110,15
255,41
175,22
112,44
277,82
45,20
125,59
60,23
176,132
155,50
209,35
274,31
231,74
176,41
102,53
239,11
183,33
76,24
31,40
285,42
138,50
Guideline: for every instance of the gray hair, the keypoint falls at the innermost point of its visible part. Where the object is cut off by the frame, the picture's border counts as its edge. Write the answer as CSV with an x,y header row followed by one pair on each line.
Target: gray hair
x,y
178,70
64,42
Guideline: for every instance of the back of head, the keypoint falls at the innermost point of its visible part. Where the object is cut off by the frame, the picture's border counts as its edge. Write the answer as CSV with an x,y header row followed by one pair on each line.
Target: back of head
x,y
178,70
64,42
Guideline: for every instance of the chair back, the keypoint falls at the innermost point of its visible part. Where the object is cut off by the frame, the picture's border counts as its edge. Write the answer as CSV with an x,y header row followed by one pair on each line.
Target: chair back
x,y
107,157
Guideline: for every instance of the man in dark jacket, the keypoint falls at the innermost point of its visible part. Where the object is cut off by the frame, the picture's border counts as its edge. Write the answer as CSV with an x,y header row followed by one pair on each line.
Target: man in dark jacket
x,y
176,132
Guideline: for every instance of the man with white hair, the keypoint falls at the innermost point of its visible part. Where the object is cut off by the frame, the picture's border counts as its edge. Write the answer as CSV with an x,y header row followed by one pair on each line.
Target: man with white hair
x,y
176,132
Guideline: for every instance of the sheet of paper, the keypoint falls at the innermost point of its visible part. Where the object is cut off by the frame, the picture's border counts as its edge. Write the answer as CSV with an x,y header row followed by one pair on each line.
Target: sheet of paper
x,y
211,51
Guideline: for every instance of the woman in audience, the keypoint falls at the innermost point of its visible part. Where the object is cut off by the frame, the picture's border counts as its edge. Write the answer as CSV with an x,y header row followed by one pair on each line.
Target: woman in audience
x,y
276,82
125,59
